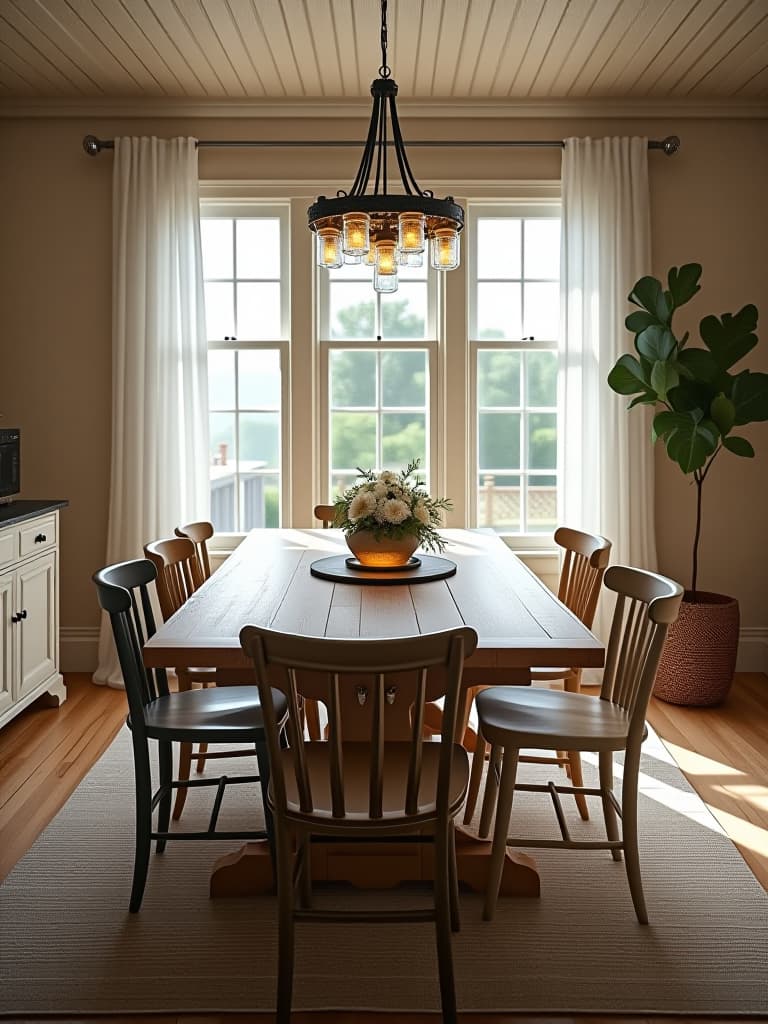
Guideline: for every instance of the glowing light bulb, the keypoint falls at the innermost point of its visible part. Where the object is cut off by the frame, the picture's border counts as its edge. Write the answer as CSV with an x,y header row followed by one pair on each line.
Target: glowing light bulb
x,y
444,249
329,253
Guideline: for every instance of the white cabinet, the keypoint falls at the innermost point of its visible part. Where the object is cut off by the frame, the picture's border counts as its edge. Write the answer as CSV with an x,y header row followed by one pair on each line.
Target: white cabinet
x,y
29,611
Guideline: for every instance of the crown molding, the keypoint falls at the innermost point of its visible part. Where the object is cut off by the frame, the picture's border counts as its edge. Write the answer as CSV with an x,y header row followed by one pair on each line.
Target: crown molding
x,y
358,108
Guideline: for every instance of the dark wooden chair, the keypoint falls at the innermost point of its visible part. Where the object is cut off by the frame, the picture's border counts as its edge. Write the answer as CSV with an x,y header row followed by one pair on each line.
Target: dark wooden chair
x,y
383,786
192,716
325,513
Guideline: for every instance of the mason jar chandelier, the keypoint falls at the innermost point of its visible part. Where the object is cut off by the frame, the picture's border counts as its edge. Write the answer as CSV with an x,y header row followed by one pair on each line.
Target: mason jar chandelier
x,y
386,230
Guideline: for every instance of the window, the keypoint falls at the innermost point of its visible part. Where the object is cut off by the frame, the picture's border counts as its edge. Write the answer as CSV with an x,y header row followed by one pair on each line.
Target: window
x,y
245,266
514,304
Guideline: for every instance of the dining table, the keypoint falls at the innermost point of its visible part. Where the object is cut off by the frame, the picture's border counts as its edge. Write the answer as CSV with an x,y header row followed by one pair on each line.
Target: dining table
x,y
273,579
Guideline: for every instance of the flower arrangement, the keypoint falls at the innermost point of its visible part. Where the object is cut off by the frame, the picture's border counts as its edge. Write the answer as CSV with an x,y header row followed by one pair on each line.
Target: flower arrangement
x,y
391,506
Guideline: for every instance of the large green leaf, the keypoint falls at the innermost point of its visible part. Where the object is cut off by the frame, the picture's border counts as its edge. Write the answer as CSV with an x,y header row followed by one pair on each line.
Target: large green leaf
x,y
627,376
690,395
691,444
730,338
739,446
663,377
649,294
655,343
700,363
723,412
666,422
750,397
684,283
639,320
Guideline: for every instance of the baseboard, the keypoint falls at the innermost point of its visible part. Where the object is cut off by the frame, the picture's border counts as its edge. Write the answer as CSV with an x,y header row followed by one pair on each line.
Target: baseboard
x,y
79,649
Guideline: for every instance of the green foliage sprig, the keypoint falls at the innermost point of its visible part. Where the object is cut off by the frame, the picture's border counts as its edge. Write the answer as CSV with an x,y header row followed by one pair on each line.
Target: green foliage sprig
x,y
702,401
392,505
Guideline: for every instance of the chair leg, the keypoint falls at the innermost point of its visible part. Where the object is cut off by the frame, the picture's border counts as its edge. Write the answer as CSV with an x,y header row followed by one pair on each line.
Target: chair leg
x,y
577,779
443,925
185,767
165,759
609,811
312,714
489,796
501,830
304,853
453,878
262,759
284,851
629,830
143,784
476,775
202,748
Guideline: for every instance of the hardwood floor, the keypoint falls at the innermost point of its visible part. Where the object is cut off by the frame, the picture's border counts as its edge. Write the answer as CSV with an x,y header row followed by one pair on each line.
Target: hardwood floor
x,y
44,753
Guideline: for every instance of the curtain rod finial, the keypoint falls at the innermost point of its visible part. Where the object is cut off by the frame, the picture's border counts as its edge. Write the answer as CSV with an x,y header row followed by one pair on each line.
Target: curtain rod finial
x,y
671,144
91,145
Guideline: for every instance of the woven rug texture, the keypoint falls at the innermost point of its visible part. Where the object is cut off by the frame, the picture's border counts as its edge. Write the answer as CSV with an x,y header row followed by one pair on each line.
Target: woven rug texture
x,y
69,946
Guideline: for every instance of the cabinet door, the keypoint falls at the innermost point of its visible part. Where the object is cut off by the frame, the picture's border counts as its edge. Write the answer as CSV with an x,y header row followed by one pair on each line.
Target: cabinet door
x,y
6,642
36,636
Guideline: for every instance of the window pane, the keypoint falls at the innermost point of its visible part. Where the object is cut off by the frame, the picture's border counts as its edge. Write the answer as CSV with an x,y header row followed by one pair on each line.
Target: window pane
x,y
259,499
404,314
542,504
542,440
542,248
352,311
541,378
259,441
353,440
404,378
498,247
223,470
258,312
499,501
216,238
404,437
221,379
351,272
498,378
258,247
353,379
259,379
498,312
499,440
219,310
542,311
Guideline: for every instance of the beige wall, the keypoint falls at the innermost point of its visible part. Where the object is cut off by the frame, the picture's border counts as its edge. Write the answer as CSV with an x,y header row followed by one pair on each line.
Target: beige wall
x,y
708,205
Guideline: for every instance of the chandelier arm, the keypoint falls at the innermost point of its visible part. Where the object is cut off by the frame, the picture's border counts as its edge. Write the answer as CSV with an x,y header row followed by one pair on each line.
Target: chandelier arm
x,y
364,170
406,174
381,150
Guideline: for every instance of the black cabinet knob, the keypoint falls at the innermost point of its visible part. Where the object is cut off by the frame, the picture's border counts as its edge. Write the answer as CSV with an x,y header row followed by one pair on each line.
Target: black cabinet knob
x,y
40,538
16,618
23,613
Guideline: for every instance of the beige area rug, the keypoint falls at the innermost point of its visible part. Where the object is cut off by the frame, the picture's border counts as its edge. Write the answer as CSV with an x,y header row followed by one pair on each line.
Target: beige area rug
x,y
69,946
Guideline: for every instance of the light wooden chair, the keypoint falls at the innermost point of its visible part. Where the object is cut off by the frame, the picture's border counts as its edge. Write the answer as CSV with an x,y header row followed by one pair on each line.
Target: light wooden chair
x,y
156,714
325,513
199,533
179,574
584,561
373,786
511,718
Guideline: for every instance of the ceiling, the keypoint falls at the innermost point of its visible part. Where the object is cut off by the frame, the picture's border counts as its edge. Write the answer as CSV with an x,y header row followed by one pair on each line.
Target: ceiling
x,y
309,51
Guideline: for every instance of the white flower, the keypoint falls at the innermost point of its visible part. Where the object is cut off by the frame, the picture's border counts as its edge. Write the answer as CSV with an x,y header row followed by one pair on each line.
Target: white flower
x,y
380,489
387,477
395,511
363,503
421,511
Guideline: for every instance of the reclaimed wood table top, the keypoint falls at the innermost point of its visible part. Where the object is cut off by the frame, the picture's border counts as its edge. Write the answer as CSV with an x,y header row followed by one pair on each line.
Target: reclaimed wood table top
x,y
267,581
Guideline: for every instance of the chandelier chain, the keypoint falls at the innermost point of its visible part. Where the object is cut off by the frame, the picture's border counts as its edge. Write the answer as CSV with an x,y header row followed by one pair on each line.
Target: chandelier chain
x,y
385,70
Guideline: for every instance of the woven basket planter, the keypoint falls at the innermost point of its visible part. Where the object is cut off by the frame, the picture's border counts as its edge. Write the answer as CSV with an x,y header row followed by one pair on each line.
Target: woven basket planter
x,y
699,656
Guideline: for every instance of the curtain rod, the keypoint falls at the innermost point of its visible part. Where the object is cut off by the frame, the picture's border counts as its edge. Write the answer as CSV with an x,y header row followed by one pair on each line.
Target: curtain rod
x,y
93,146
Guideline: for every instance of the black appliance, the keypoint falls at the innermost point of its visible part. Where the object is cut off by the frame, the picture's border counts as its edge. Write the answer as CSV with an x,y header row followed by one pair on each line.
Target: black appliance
x,y
10,463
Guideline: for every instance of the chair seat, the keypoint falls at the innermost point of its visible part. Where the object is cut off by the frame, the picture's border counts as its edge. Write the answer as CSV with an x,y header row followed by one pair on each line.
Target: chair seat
x,y
552,719
217,715
356,759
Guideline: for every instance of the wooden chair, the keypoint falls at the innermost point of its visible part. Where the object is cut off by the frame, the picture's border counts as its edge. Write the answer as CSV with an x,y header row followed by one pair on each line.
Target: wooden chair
x,y
364,781
215,716
179,574
326,514
584,561
199,534
511,718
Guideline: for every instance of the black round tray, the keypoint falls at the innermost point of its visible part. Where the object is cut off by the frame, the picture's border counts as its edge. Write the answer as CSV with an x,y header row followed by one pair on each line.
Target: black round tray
x,y
338,569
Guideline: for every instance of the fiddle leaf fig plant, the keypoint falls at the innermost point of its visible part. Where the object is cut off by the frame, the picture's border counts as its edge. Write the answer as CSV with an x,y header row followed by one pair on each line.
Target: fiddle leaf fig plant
x,y
701,402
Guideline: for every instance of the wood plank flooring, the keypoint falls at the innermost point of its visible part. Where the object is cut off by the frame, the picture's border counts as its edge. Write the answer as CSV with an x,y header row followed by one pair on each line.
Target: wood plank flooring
x,y
45,752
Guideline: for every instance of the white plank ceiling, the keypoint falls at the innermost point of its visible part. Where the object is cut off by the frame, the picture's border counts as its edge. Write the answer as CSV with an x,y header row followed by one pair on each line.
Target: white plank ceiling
x,y
314,50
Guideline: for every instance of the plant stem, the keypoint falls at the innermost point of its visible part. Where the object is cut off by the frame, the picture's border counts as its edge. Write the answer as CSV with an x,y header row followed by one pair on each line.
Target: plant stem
x,y
699,478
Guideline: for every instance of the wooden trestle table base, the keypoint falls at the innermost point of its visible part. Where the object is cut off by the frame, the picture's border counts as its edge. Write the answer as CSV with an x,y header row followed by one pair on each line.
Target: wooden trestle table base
x,y
266,581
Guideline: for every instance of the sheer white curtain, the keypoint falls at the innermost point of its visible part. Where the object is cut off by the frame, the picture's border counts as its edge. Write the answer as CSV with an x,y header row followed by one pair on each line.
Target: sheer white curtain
x,y
605,455
159,355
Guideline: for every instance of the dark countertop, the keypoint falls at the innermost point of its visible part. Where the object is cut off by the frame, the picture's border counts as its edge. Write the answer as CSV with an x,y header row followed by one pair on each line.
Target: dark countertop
x,y
20,509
